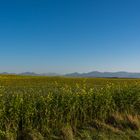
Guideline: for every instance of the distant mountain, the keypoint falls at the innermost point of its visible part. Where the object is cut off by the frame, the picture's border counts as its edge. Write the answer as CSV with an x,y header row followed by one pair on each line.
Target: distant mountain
x,y
36,74
6,73
75,74
29,73
120,74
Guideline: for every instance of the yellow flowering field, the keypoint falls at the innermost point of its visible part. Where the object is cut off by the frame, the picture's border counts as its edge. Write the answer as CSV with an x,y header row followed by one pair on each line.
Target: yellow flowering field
x,y
49,108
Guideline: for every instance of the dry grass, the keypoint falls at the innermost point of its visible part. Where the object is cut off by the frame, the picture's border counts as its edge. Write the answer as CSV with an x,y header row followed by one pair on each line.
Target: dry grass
x,y
67,133
124,121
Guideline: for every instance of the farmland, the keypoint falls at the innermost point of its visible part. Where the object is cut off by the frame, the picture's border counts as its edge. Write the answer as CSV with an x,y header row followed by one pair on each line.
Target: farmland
x,y
58,108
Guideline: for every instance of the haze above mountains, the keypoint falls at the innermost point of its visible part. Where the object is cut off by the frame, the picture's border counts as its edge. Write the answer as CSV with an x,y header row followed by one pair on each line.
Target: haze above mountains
x,y
120,74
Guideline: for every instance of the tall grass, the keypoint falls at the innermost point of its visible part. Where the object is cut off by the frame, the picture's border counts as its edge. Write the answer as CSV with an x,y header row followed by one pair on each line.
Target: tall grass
x,y
44,107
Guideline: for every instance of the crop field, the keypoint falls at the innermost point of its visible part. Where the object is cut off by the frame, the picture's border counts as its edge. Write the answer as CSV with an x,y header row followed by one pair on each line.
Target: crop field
x,y
58,108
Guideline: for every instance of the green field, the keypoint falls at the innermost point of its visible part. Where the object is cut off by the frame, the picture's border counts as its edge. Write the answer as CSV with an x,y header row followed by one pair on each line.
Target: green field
x,y
57,108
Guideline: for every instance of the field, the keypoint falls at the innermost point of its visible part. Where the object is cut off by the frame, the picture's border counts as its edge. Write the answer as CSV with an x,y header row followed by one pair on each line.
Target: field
x,y
58,108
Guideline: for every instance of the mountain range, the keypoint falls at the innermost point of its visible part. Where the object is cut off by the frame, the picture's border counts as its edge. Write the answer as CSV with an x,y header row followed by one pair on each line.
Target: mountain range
x,y
30,74
120,74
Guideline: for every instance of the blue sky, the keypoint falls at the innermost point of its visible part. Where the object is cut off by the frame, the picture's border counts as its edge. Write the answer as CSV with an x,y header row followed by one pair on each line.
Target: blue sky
x,y
65,36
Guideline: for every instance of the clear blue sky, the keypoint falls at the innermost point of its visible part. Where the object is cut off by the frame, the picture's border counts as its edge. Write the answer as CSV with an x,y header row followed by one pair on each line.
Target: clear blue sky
x,y
69,35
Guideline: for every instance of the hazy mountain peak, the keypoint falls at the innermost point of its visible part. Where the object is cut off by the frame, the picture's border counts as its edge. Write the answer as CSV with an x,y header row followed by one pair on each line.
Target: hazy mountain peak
x,y
119,74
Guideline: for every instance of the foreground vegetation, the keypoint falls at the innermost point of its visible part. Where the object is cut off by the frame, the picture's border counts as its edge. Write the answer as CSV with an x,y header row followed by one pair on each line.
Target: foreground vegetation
x,y
56,108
